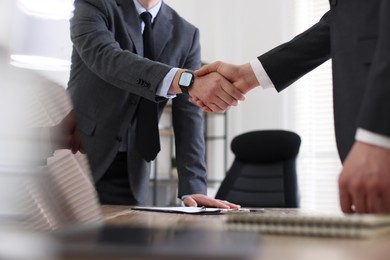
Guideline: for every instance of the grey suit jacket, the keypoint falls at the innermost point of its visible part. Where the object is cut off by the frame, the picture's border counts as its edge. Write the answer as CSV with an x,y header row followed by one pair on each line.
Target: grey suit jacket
x,y
356,35
109,75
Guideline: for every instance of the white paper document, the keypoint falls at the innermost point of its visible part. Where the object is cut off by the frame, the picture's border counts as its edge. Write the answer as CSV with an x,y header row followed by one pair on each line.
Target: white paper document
x,y
189,210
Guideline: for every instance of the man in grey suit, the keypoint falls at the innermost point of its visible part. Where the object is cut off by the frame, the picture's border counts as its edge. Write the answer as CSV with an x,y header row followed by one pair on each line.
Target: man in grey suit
x,y
356,35
109,76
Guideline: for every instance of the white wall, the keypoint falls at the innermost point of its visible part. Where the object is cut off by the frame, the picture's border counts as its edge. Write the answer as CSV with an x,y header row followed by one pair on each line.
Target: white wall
x,y
5,20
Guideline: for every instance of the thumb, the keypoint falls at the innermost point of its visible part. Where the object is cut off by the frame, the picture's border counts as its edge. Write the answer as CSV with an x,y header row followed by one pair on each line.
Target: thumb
x,y
189,202
206,69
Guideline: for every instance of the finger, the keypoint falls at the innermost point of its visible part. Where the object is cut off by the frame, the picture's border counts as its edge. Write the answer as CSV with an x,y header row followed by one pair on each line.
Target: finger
x,y
373,196
207,69
358,190
345,197
200,104
231,205
221,98
345,201
210,202
218,204
224,100
76,142
75,147
206,109
359,200
232,91
189,202
373,202
221,105
192,99
81,149
203,106
203,200
385,201
215,108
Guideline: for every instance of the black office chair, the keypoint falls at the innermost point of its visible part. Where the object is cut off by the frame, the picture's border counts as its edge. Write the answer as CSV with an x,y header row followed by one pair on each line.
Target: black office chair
x,y
263,173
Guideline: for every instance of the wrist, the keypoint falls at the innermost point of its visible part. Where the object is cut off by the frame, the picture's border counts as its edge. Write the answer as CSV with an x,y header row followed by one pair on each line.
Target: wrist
x,y
249,78
174,88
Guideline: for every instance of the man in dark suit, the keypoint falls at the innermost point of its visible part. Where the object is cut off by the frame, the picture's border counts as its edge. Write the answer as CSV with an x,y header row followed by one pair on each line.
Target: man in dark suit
x,y
110,77
356,35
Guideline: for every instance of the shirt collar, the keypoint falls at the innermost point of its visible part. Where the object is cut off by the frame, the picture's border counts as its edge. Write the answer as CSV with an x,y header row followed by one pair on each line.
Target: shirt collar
x,y
153,11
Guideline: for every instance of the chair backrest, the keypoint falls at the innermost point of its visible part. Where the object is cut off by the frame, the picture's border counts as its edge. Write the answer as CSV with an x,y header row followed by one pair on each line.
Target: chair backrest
x,y
263,173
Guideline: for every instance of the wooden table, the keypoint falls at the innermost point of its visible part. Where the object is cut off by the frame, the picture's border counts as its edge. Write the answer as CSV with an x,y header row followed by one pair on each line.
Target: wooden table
x,y
272,247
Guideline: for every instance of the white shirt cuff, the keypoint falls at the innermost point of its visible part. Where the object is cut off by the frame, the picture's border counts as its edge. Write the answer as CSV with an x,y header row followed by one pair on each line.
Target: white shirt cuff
x,y
162,90
372,138
261,74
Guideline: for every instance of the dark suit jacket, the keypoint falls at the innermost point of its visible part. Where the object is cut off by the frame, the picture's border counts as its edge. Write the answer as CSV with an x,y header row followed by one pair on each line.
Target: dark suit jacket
x,y
109,76
356,35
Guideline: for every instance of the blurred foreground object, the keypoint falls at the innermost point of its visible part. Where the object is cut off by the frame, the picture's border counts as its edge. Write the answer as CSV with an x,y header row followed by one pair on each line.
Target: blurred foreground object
x,y
39,193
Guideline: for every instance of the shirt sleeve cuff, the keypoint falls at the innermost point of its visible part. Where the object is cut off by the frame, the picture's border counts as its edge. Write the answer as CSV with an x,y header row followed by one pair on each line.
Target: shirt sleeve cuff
x,y
372,138
162,90
261,75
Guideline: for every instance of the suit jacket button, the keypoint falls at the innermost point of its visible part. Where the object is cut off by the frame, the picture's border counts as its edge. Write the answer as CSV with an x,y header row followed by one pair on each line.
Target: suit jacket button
x,y
119,138
333,2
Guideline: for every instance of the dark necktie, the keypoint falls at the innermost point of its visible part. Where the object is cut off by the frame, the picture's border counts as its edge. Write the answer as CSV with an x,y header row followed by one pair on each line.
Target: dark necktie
x,y
147,133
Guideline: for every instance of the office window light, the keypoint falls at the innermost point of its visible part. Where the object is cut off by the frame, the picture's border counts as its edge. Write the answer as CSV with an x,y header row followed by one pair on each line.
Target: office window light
x,y
312,114
37,41
39,63
49,9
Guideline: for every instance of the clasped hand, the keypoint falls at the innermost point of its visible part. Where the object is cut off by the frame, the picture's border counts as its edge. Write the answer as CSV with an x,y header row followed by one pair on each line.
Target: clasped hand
x,y
219,85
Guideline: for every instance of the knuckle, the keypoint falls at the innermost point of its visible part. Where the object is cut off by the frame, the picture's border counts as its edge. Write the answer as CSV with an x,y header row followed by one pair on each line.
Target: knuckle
x,y
374,185
356,186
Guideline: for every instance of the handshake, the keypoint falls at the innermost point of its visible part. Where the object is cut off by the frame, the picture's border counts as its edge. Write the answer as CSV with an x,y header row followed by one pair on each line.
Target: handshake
x,y
219,85
216,88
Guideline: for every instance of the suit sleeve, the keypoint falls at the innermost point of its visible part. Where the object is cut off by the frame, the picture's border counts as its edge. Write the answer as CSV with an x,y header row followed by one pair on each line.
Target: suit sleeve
x,y
288,62
189,138
375,111
95,43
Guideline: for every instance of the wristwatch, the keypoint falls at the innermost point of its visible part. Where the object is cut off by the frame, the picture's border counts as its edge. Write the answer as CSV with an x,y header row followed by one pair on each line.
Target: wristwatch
x,y
185,81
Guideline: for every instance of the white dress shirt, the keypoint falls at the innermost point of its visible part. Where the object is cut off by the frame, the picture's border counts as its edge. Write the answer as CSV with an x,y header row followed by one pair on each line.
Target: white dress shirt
x,y
163,88
362,135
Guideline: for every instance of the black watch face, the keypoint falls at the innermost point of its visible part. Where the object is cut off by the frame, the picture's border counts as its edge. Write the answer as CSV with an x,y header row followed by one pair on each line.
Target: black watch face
x,y
186,79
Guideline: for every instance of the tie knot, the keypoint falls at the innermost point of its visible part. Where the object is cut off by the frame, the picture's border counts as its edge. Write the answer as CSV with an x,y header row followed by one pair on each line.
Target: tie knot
x,y
147,18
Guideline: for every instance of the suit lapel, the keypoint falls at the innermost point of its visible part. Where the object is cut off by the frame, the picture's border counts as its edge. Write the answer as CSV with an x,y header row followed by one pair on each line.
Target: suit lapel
x,y
133,24
162,29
